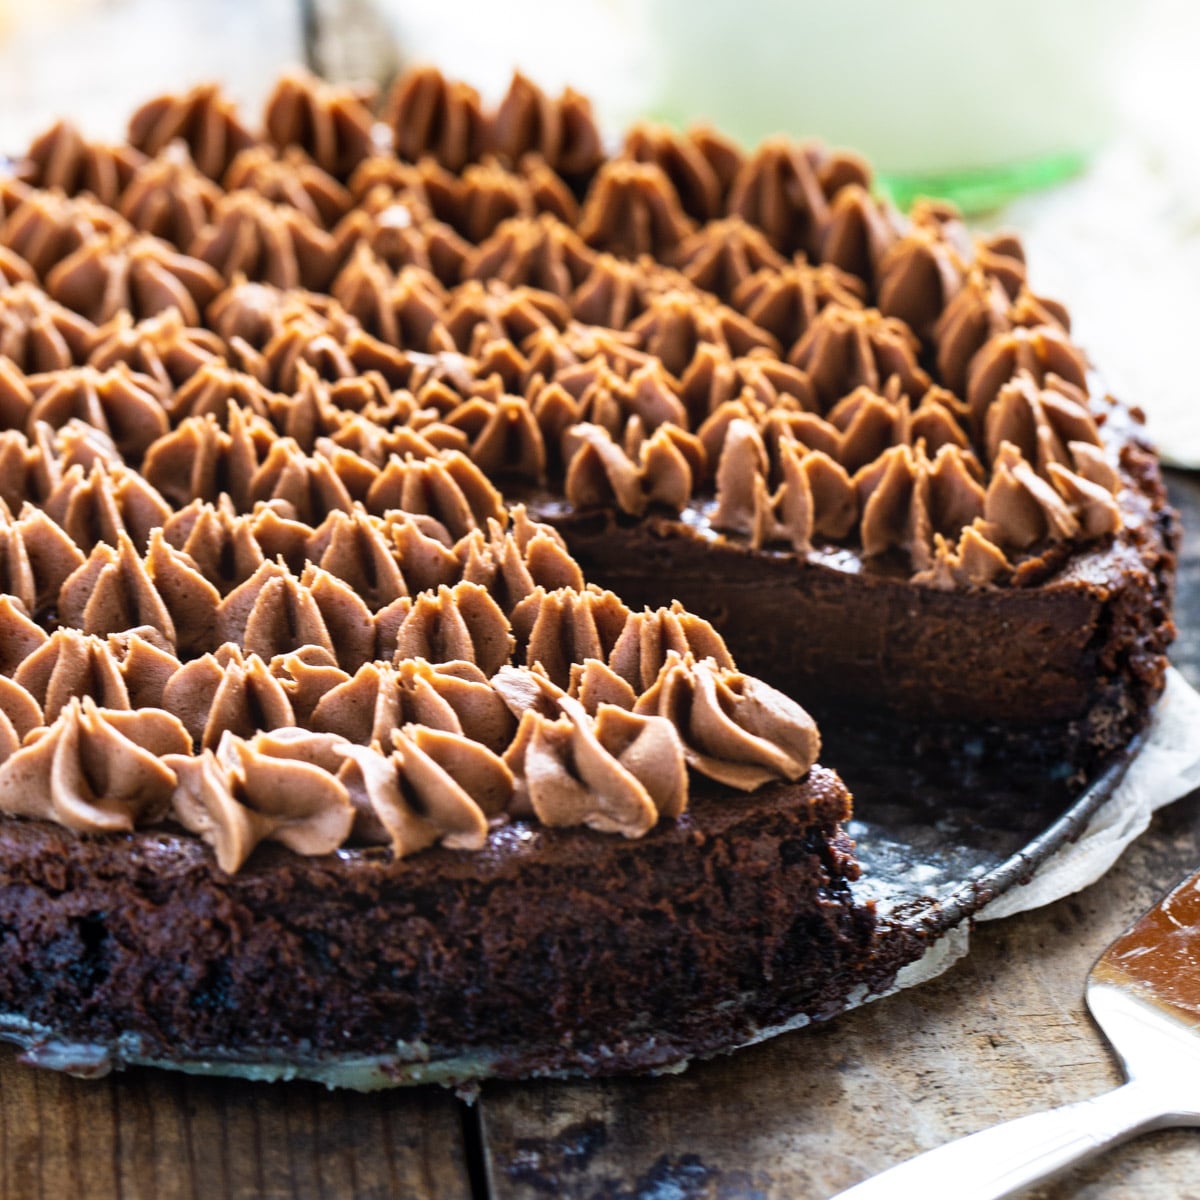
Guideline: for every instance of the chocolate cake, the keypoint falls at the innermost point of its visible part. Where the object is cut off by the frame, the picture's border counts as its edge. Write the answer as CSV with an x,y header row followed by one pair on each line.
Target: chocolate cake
x,y
324,750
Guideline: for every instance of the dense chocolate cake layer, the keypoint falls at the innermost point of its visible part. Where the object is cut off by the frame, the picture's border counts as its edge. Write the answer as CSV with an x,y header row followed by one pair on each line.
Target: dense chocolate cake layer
x,y
633,954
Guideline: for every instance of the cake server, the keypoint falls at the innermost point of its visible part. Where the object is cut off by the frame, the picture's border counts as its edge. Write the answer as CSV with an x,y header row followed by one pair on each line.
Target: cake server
x,y
1144,993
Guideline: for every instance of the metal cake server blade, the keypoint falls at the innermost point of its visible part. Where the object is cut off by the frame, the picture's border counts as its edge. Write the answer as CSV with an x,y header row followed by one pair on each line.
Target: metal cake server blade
x,y
1144,993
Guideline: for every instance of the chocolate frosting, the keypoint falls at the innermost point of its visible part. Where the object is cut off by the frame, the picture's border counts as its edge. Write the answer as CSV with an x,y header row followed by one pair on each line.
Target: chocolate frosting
x,y
859,231
274,243
203,118
69,664
36,557
331,123
785,187
601,472
539,252
124,405
46,227
37,334
697,179
429,114
785,301
846,347
289,177
258,579
169,198
243,793
94,770
735,729
631,209
160,347
556,629
1041,352
432,787
919,276
61,158
138,273
722,255
560,131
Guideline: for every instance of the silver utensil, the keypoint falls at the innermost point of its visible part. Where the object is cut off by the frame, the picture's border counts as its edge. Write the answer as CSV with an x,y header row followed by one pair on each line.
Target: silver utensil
x,y
1144,993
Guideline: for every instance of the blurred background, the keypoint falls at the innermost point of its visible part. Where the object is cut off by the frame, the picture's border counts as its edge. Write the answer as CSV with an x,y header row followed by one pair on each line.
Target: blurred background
x,y
1072,120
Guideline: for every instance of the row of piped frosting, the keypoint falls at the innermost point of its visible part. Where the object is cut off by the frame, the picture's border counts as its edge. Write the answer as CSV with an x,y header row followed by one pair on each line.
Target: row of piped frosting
x,y
500,269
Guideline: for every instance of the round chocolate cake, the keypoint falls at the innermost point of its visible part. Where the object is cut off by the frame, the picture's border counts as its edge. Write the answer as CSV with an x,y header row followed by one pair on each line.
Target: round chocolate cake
x,y
326,751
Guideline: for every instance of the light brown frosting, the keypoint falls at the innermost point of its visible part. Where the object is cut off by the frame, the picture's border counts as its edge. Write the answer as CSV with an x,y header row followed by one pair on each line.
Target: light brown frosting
x,y
735,729
697,179
974,561
19,716
540,252
226,692
112,592
1040,422
906,499
46,227
640,650
631,209
94,770
815,496
203,118
274,243
124,405
859,230
616,772
847,348
36,557
169,198
332,123
242,794
721,255
462,623
139,273
919,276
161,348
37,334
61,158
19,635
560,131
558,628
675,323
601,472
785,187
127,669
785,301
289,177
429,114
1041,351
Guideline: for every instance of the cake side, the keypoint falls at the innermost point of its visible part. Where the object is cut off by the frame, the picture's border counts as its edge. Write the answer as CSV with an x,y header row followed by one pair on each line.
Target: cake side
x,y
1066,663
549,950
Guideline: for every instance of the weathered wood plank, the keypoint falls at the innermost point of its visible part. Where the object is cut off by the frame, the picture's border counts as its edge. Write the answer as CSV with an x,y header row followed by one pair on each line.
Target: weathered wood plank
x,y
147,1135
1004,1033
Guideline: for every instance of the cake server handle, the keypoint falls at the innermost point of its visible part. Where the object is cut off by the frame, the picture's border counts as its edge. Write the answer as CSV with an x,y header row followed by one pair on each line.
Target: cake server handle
x,y
1002,1160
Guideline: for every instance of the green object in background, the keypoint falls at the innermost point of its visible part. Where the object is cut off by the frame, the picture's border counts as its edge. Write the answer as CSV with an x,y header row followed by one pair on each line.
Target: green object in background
x,y
982,189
